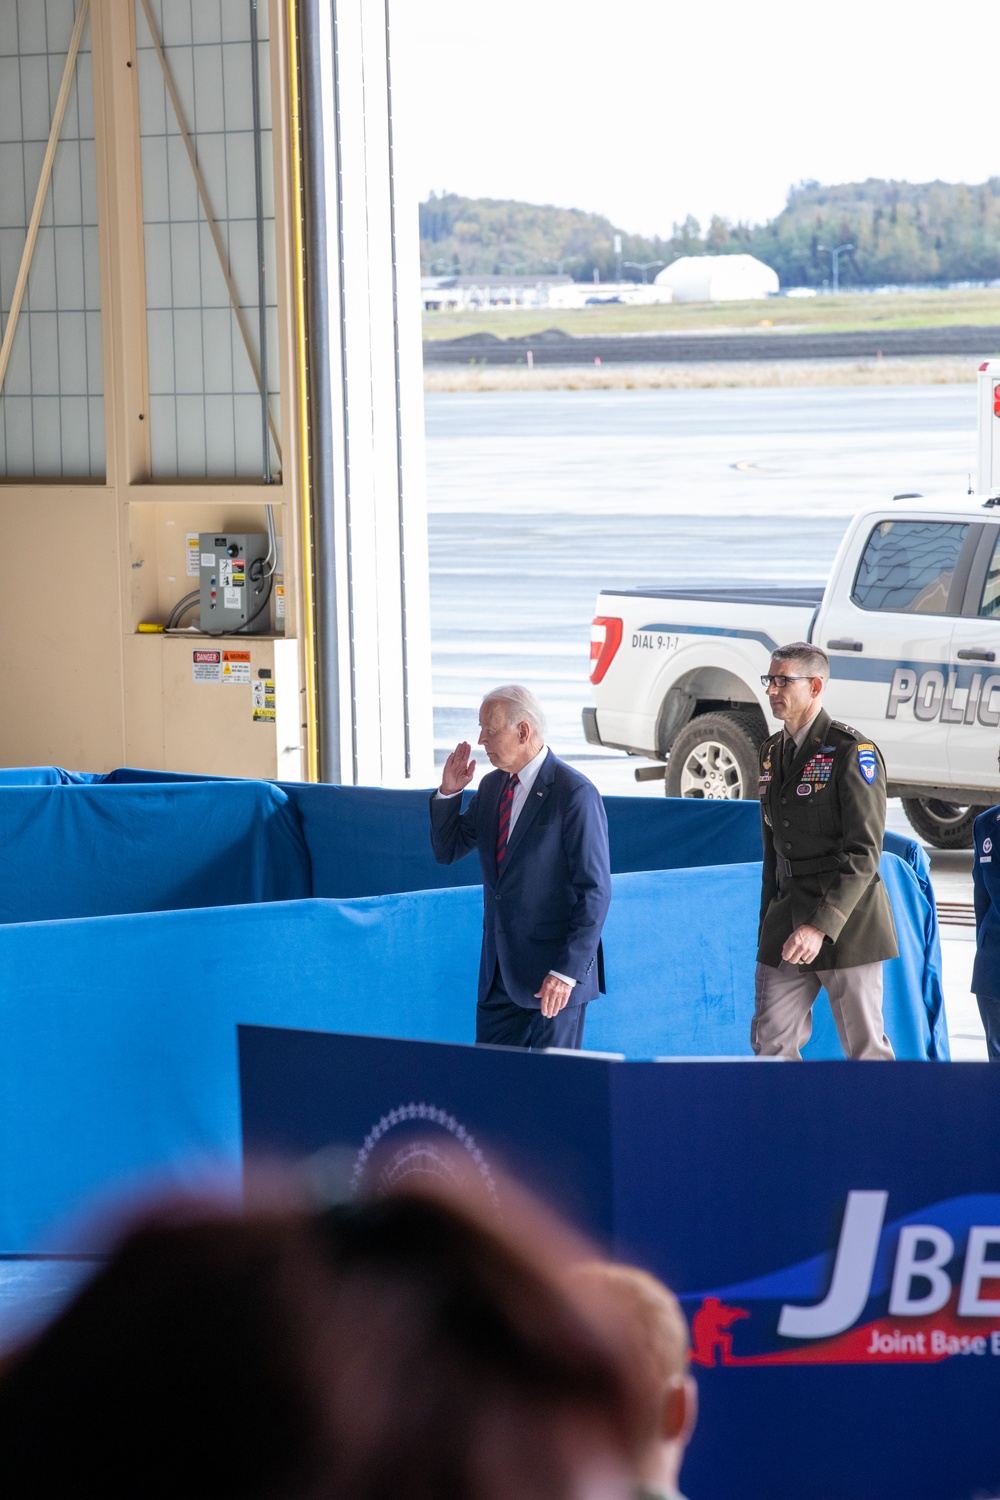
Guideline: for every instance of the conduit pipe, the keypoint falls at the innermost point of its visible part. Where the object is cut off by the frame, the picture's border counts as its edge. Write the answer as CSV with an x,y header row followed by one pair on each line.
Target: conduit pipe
x,y
321,345
302,392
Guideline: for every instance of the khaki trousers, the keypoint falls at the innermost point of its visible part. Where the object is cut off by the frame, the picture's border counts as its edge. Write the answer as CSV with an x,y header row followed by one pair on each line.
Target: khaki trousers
x,y
784,999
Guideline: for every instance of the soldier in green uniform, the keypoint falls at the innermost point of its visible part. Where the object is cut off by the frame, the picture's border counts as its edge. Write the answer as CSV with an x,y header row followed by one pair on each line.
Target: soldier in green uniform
x,y
825,918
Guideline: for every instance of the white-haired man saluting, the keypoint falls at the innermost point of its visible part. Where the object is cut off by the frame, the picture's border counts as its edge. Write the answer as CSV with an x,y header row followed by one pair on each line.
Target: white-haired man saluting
x,y
542,837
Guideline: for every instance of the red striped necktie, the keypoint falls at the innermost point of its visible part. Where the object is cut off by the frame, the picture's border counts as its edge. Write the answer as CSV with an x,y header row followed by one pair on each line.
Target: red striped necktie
x,y
503,826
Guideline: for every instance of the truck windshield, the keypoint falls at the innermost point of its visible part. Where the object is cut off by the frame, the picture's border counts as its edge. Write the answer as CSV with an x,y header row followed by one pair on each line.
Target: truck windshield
x,y
907,566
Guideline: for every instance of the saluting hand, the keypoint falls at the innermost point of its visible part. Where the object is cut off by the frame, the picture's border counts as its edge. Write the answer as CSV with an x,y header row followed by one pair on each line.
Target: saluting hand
x,y
458,770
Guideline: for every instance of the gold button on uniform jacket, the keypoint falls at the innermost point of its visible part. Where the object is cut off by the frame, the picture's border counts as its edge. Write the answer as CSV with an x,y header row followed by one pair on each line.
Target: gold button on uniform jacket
x,y
822,825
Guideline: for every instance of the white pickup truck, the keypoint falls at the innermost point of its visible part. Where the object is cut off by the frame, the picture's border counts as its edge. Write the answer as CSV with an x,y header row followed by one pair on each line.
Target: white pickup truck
x,y
910,619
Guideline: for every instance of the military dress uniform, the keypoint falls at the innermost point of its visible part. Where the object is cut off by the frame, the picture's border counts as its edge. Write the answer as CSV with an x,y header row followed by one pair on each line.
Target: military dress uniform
x,y
822,818
986,890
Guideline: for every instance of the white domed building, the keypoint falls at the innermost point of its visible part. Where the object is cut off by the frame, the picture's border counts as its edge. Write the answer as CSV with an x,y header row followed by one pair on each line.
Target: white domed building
x,y
718,278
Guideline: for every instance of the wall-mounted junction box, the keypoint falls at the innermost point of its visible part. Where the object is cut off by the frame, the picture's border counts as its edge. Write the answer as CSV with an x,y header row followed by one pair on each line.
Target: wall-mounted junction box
x,y
235,590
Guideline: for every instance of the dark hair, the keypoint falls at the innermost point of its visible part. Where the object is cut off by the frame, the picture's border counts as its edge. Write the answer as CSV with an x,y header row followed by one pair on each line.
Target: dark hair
x,y
405,1349
189,1366
493,1377
812,659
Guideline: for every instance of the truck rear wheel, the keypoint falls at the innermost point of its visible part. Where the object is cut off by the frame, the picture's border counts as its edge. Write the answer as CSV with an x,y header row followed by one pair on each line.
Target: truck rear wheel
x,y
946,825
715,756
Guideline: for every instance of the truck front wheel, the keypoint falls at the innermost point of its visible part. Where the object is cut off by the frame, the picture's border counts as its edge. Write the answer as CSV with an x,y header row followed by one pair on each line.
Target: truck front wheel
x,y
715,757
946,825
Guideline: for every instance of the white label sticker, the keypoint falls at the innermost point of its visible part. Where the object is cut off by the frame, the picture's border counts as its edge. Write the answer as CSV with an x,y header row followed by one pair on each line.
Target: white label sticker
x,y
208,559
206,666
225,571
279,601
191,554
232,598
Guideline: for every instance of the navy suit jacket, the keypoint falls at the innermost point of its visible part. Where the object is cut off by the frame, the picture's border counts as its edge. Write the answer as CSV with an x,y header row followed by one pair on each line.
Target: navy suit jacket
x,y
546,908
986,888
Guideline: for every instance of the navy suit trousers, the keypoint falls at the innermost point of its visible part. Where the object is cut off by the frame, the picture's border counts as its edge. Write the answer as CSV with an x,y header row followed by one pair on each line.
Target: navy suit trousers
x,y
502,1023
989,1010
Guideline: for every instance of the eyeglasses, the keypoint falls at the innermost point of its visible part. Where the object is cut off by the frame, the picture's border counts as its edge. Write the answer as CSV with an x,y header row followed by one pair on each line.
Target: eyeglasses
x,y
779,680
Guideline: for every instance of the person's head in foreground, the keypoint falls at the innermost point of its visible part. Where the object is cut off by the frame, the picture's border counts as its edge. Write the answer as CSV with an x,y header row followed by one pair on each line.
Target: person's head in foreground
x,y
657,1335
408,1348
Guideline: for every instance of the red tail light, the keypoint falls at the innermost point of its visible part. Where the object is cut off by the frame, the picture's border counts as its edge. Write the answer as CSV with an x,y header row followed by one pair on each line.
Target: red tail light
x,y
605,638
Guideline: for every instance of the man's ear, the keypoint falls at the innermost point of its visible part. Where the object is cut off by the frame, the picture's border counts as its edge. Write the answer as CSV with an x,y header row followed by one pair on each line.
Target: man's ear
x,y
680,1409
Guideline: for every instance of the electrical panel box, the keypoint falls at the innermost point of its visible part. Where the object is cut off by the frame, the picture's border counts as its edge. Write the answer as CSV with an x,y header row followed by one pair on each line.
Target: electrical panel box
x,y
234,584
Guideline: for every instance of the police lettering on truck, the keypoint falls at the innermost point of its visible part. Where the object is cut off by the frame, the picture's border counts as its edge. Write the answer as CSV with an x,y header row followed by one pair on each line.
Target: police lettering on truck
x,y
933,694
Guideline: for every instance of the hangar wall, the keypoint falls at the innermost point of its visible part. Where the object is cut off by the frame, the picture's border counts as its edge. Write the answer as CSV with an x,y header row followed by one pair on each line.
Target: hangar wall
x,y
158,380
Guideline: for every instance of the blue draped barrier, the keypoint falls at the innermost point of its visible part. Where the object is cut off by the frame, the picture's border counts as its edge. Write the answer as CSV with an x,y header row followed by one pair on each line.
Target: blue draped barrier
x,y
369,841
94,851
47,776
119,1053
144,841
681,972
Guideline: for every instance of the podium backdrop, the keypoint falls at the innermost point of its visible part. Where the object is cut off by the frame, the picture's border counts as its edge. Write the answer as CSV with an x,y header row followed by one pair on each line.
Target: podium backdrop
x,y
742,1186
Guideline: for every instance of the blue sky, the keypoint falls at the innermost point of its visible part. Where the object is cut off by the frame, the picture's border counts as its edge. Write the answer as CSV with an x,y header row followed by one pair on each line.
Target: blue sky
x,y
647,110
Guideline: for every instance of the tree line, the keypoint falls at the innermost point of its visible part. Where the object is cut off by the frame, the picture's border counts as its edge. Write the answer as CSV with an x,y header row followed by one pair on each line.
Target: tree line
x,y
901,232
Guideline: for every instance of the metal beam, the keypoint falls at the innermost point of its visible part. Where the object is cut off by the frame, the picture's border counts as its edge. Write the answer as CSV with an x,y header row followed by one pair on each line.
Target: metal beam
x,y
55,130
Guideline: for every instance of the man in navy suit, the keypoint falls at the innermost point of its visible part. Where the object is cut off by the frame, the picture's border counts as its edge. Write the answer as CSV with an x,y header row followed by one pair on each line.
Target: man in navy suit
x,y
986,889
542,836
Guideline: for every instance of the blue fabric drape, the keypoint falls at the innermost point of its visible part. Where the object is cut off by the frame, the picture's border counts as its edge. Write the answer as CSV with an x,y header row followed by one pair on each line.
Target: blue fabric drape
x,y
146,841
119,1055
46,776
95,851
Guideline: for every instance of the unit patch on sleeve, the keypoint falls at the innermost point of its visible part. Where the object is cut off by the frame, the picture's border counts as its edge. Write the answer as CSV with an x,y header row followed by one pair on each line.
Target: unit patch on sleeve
x,y
867,762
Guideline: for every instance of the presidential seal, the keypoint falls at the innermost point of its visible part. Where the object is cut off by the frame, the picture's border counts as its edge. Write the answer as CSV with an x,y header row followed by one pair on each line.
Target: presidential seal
x,y
431,1144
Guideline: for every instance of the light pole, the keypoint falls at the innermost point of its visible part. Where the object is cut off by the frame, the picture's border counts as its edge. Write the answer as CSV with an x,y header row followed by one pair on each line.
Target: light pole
x,y
567,260
835,253
644,266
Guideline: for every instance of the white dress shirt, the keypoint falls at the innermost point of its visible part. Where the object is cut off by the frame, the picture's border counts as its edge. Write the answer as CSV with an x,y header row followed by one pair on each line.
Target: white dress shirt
x,y
526,779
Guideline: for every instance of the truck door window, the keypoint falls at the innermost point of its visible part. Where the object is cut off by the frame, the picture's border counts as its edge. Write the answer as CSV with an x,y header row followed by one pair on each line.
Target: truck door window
x,y
990,602
907,567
